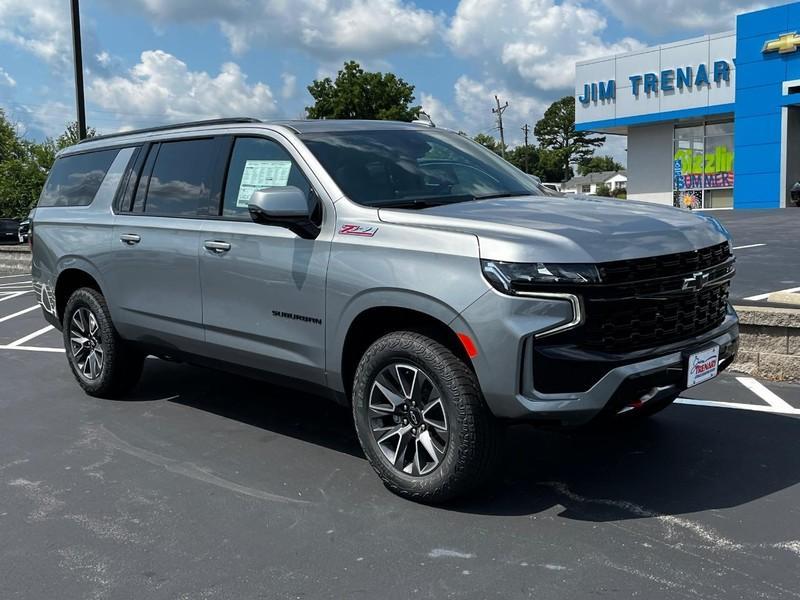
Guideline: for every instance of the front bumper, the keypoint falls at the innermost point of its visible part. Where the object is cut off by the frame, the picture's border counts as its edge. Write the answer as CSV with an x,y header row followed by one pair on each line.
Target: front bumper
x,y
505,332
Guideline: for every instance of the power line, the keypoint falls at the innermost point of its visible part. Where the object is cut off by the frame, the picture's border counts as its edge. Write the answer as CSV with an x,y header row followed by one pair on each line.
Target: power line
x,y
499,112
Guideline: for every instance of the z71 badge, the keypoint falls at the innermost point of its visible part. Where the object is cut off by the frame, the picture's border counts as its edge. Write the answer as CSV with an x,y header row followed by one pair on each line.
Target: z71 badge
x,y
361,230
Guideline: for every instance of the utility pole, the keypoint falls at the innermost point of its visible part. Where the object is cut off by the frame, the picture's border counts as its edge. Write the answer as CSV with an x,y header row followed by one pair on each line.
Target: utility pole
x,y
78,59
499,112
526,129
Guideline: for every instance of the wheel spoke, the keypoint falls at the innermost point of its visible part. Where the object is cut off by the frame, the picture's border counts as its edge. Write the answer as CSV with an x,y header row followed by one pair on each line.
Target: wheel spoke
x,y
431,449
394,400
435,416
394,443
92,325
407,377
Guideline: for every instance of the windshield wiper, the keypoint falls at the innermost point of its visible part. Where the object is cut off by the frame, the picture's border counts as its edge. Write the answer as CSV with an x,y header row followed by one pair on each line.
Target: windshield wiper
x,y
501,195
425,202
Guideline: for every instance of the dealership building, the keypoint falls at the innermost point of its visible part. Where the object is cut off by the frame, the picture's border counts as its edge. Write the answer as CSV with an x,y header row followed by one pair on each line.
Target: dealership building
x,y
711,122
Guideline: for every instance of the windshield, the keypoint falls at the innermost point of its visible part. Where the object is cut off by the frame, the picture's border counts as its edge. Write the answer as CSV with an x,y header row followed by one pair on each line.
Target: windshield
x,y
415,168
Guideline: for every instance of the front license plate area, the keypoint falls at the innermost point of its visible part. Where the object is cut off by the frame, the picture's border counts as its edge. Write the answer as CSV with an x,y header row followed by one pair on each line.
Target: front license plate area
x,y
702,366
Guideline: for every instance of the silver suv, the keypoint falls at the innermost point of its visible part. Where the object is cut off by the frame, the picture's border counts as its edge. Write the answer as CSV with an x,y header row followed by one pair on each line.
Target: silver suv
x,y
400,269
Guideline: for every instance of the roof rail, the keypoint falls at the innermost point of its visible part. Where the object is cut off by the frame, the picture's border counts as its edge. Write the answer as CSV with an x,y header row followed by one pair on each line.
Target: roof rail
x,y
228,121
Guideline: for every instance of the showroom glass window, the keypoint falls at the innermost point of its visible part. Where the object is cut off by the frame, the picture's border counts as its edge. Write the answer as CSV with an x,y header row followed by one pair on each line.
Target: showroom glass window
x,y
703,165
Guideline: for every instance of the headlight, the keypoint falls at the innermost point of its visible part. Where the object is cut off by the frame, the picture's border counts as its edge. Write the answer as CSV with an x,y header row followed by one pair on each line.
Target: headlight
x,y
512,278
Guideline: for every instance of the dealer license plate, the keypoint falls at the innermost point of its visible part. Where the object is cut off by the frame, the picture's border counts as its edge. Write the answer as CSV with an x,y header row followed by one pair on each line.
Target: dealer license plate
x,y
703,366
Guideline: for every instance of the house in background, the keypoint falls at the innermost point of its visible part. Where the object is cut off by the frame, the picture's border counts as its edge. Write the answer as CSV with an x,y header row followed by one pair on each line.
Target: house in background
x,y
587,184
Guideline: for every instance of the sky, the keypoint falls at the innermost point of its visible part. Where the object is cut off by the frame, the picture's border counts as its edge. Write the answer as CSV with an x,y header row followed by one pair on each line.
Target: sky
x,y
149,62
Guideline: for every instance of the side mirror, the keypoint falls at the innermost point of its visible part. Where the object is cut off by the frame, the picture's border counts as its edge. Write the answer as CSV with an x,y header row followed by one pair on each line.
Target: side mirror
x,y
283,207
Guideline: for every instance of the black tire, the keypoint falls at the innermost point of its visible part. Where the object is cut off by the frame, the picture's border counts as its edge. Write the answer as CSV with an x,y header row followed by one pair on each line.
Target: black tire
x,y
121,365
472,448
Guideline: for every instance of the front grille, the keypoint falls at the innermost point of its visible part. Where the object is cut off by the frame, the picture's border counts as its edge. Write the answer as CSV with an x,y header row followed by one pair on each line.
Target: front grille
x,y
641,303
628,324
669,265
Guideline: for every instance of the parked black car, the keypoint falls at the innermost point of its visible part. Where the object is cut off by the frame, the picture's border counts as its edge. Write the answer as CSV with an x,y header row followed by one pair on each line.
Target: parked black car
x,y
9,231
25,230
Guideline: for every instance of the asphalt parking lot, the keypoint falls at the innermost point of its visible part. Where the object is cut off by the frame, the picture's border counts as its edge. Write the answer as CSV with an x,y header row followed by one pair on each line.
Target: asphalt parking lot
x,y
206,485
767,248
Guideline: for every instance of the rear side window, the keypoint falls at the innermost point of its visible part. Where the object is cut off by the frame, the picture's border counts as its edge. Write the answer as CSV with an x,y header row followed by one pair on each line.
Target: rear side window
x,y
182,178
75,179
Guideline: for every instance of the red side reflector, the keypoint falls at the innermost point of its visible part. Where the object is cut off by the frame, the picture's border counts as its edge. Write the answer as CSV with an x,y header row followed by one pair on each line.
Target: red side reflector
x,y
469,345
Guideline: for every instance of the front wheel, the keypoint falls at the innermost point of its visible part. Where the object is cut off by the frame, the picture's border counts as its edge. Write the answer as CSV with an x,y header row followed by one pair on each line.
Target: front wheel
x,y
421,419
103,364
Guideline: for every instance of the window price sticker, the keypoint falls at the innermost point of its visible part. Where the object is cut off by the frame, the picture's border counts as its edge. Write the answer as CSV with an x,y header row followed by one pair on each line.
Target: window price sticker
x,y
260,174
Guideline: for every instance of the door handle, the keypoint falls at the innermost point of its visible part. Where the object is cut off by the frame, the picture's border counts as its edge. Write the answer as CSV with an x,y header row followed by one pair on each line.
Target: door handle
x,y
216,247
130,238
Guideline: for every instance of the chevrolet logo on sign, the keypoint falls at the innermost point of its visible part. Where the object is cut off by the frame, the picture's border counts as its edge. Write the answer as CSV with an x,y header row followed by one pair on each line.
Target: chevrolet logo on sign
x,y
788,42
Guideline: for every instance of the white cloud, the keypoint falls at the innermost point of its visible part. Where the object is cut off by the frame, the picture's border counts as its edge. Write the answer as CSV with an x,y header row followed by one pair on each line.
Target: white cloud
x,y
41,28
475,101
438,111
162,88
324,28
6,79
535,42
289,86
704,16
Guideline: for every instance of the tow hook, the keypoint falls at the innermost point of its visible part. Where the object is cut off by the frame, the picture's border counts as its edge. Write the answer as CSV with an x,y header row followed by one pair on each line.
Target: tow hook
x,y
652,393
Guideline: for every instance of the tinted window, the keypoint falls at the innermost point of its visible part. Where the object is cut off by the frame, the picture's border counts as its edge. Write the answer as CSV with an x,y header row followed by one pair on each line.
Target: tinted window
x,y
404,166
8,225
182,178
74,180
258,163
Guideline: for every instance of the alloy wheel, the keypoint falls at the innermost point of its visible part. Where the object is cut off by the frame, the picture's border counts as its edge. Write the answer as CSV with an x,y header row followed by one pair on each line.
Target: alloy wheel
x,y
86,343
408,419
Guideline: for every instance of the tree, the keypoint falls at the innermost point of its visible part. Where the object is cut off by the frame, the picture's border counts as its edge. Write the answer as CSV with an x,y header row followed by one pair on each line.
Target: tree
x,y
359,94
556,131
598,164
525,158
72,136
489,142
551,166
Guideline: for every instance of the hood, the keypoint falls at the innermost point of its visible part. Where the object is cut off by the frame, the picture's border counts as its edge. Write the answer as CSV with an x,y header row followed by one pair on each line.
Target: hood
x,y
569,229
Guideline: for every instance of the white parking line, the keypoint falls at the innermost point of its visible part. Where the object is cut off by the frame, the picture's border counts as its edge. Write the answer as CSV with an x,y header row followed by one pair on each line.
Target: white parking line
x,y
14,284
29,337
738,406
17,314
765,394
10,276
767,295
31,349
12,295
747,246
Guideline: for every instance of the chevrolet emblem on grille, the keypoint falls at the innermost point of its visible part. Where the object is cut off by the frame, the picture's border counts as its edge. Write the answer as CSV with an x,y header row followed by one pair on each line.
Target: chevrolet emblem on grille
x,y
696,282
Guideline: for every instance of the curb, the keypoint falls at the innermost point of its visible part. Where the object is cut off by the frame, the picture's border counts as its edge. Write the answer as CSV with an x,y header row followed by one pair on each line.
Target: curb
x,y
15,259
769,342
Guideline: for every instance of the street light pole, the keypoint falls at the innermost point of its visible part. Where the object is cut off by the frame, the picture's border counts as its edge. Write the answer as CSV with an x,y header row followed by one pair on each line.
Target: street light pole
x,y
78,59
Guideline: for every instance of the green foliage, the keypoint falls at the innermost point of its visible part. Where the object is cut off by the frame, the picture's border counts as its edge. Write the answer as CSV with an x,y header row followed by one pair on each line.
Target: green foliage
x,y
603,190
556,131
359,94
551,166
598,164
525,158
24,166
619,193
489,142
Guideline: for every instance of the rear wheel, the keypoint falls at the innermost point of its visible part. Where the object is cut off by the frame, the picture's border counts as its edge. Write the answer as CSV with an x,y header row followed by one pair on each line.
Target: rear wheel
x,y
421,419
102,363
